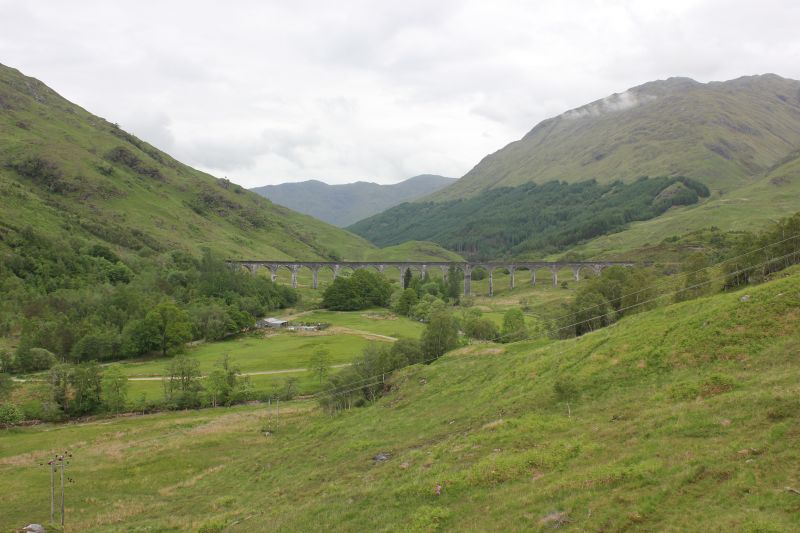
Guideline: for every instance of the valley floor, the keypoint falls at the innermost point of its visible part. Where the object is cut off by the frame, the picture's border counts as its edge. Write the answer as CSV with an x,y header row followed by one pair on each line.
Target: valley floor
x,y
683,418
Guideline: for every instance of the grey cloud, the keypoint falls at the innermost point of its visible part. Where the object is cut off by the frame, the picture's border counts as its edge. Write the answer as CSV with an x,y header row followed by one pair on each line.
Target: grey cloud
x,y
609,104
154,127
221,154
357,89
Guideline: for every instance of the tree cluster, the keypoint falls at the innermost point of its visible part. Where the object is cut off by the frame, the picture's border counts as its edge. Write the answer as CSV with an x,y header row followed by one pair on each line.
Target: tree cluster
x,y
72,390
365,379
530,218
604,299
423,294
78,301
756,256
361,290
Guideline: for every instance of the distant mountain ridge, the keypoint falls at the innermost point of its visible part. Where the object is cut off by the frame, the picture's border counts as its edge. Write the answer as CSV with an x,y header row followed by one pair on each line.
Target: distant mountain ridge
x,y
342,205
739,138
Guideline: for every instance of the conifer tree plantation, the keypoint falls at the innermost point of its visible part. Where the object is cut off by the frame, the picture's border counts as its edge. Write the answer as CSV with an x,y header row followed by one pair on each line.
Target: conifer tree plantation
x,y
225,305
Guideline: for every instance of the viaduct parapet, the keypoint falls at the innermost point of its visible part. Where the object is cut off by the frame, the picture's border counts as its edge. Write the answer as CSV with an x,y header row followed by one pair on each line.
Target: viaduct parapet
x,y
424,266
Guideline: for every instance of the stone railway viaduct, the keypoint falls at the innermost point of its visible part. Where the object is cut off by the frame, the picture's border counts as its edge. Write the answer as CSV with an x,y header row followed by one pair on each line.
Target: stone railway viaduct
x,y
423,266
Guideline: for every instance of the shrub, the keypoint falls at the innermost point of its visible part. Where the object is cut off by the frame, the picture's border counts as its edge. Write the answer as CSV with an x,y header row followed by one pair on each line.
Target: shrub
x,y
100,250
717,384
514,326
34,359
42,171
10,414
125,157
566,389
481,328
119,273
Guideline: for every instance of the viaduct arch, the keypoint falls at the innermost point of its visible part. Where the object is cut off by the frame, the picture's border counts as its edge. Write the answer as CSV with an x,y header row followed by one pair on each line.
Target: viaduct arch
x,y
467,267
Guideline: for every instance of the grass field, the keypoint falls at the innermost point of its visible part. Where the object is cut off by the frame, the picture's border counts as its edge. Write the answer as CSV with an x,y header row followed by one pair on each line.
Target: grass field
x,y
683,418
350,332
282,353
270,351
253,353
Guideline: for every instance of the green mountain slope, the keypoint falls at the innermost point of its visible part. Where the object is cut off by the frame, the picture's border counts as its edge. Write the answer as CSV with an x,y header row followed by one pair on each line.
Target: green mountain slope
x,y
740,138
722,133
341,205
684,418
768,198
529,219
416,250
68,173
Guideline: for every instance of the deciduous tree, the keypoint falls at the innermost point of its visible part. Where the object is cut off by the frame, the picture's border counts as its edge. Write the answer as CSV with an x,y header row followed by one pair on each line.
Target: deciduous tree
x,y
320,364
441,334
170,325
513,326
115,389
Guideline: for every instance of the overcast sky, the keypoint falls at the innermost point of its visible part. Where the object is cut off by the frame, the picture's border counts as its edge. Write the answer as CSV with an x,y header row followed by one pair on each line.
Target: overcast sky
x,y
267,91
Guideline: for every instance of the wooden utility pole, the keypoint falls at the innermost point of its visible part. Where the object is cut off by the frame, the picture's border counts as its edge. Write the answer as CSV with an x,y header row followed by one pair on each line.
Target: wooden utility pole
x,y
54,464
62,491
52,491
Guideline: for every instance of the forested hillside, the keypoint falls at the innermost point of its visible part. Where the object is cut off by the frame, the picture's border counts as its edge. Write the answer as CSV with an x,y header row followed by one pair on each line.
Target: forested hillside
x,y
767,199
530,219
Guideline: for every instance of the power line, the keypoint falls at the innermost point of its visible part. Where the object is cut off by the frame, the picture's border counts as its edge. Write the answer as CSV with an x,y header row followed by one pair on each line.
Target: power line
x,y
335,392
362,382
687,274
670,293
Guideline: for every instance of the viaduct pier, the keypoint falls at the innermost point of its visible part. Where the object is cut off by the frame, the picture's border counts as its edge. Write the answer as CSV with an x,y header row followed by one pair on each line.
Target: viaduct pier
x,y
467,267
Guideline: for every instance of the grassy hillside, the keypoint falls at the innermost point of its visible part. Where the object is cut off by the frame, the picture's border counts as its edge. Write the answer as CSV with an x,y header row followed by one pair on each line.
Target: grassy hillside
x,y
100,230
68,173
412,250
722,133
342,205
683,418
740,138
768,198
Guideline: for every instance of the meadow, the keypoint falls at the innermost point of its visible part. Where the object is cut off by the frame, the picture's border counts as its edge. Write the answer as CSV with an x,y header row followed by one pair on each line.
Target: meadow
x,y
273,356
681,418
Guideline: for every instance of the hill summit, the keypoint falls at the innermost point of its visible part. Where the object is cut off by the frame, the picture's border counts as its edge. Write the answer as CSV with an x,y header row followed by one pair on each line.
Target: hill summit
x,y
722,133
70,174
